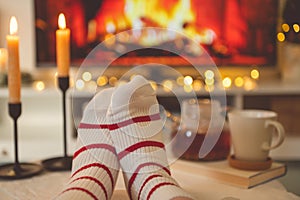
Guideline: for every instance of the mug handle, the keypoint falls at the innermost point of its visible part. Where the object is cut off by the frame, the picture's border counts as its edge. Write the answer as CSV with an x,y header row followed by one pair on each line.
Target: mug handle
x,y
280,132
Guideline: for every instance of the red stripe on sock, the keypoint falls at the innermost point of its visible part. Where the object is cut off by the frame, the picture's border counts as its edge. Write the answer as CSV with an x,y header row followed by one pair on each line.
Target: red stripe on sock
x,y
95,146
83,190
99,166
146,118
136,172
158,186
140,145
93,126
146,181
95,180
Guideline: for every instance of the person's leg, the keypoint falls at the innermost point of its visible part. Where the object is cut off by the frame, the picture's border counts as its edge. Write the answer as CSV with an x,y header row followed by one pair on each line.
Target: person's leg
x,y
135,128
95,163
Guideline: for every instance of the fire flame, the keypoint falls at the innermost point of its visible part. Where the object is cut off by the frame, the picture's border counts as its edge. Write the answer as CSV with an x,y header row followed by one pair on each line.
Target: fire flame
x,y
61,21
181,12
178,16
13,26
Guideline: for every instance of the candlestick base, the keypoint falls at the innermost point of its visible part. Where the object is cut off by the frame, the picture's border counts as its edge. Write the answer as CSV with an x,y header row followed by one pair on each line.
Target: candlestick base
x,y
15,171
18,170
63,163
58,164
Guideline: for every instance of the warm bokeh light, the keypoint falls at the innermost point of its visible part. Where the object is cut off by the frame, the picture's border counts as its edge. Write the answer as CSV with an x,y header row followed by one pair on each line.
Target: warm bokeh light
x,y
3,59
55,79
102,80
113,81
79,84
238,81
254,74
61,21
13,26
91,86
209,74
250,84
285,27
197,85
188,88
296,28
39,85
180,80
227,82
280,37
167,85
188,80
86,76
71,82
209,81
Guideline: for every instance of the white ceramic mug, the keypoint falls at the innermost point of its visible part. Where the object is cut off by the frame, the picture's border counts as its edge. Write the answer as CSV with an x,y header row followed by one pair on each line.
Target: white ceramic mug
x,y
251,133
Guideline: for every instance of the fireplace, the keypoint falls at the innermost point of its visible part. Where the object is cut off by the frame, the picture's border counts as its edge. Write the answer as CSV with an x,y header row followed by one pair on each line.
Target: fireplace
x,y
233,32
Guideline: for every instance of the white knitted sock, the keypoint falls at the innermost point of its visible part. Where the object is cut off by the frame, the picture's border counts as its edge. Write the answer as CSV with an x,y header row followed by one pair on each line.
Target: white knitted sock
x,y
95,163
135,128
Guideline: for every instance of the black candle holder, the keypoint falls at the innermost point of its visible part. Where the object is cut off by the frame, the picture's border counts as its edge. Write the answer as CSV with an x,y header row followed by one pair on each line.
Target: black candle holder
x,y
63,163
18,170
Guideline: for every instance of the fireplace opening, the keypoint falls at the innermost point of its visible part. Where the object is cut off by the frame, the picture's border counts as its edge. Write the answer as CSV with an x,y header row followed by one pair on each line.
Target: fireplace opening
x,y
233,32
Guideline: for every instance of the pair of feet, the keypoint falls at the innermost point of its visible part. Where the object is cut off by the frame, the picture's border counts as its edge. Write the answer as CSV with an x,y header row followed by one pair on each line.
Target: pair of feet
x,y
121,128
